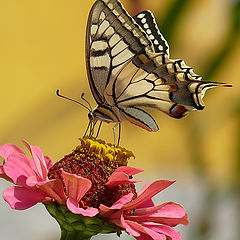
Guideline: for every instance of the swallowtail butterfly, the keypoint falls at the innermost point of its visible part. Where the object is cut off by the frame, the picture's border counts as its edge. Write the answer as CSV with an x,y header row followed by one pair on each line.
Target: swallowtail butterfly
x,y
129,69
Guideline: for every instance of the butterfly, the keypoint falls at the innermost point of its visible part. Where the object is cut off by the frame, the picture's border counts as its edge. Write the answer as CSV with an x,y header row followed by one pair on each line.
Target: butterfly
x,y
129,69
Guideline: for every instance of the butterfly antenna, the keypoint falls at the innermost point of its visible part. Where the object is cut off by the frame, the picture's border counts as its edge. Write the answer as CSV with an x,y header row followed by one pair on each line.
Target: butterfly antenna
x,y
84,99
59,95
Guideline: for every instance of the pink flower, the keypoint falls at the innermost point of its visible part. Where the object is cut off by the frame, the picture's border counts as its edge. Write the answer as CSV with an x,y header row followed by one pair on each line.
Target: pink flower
x,y
33,185
90,181
139,216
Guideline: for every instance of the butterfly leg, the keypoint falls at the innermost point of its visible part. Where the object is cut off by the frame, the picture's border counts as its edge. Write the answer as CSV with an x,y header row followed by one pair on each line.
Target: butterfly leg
x,y
92,126
99,127
114,135
89,126
119,133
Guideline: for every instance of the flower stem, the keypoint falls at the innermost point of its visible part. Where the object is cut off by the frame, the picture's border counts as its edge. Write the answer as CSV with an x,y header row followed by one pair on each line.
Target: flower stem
x,y
74,235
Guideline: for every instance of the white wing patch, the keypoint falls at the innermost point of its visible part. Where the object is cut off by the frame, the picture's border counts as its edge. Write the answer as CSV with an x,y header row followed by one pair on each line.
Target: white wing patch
x,y
113,38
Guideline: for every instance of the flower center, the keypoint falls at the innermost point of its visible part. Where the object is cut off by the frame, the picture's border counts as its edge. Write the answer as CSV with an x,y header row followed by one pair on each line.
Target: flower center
x,y
94,160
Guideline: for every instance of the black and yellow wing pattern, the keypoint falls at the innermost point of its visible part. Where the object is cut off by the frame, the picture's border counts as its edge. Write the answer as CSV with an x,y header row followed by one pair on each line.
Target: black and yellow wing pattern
x,y
129,69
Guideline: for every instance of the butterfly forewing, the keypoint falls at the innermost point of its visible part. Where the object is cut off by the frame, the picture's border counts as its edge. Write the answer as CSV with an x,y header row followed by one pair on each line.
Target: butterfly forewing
x,y
113,38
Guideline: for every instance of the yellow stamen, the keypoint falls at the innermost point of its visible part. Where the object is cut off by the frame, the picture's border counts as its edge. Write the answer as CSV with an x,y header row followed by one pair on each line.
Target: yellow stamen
x,y
105,151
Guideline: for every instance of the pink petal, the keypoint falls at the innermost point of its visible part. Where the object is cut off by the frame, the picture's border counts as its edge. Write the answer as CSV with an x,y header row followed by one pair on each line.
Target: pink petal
x,y
21,198
149,203
151,190
54,188
48,162
73,206
33,181
76,186
123,200
105,211
168,213
130,171
168,209
38,162
166,230
148,231
119,220
7,149
118,178
18,168
144,188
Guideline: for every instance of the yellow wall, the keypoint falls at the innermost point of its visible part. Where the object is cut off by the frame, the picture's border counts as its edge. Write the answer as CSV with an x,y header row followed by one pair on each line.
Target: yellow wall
x,y
42,49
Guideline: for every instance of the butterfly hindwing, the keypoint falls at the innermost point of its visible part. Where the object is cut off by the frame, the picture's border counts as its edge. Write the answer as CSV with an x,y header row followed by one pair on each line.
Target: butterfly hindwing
x,y
148,24
158,82
140,118
113,38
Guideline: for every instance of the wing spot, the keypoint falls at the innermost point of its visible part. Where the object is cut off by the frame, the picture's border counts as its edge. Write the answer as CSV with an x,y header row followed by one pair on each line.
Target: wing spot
x,y
151,37
94,29
148,31
128,26
135,33
146,25
121,19
142,15
181,77
159,81
143,42
115,12
102,16
178,111
110,5
143,20
170,68
159,60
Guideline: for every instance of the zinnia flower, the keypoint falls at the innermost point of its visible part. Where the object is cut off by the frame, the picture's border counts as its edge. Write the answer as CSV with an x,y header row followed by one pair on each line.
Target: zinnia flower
x,y
90,191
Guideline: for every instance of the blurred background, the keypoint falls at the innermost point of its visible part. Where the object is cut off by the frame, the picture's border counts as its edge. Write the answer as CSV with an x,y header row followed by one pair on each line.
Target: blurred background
x,y
42,49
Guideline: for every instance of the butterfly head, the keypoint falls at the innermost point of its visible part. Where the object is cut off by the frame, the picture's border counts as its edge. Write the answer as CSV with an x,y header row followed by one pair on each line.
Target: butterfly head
x,y
91,116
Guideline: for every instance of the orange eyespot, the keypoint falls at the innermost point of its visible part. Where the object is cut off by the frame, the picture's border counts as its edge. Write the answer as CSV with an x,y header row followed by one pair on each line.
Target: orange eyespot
x,y
178,111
